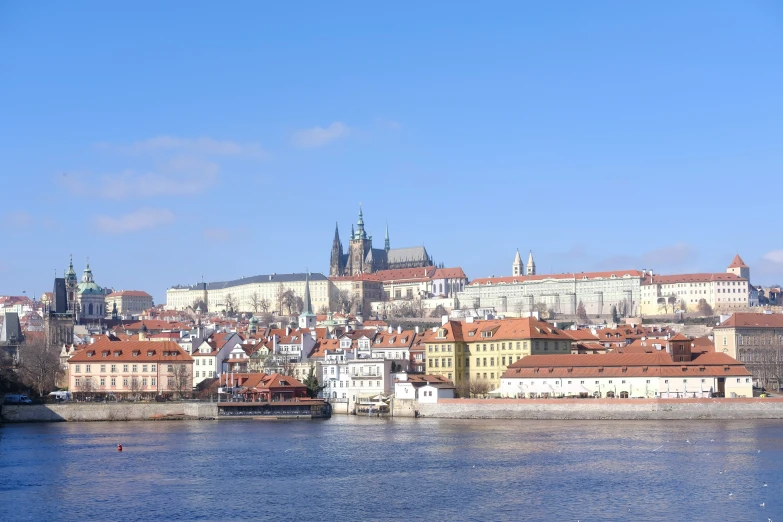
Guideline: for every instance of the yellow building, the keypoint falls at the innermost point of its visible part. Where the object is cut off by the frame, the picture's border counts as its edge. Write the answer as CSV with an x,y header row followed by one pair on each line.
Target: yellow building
x,y
755,340
483,350
131,302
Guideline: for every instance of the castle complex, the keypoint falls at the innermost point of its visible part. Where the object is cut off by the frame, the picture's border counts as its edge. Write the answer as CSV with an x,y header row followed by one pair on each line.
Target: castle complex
x,y
362,258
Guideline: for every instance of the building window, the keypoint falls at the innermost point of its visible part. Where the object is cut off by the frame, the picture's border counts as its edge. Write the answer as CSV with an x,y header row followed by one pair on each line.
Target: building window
x,y
103,382
125,382
103,368
78,368
113,381
171,368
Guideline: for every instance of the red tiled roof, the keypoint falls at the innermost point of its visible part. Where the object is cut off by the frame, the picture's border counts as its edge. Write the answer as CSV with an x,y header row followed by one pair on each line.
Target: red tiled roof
x,y
738,262
129,293
449,273
571,276
105,351
657,364
690,278
750,320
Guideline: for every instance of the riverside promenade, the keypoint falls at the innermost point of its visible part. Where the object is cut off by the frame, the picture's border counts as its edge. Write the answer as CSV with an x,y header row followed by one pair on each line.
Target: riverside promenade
x,y
595,409
544,409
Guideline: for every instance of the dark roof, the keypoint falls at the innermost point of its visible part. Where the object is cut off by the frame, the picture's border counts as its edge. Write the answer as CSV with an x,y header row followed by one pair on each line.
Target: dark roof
x,y
275,278
11,328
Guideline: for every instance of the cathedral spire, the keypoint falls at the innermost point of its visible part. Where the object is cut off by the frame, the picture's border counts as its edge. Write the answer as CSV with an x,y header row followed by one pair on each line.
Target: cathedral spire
x,y
336,233
308,305
360,233
386,241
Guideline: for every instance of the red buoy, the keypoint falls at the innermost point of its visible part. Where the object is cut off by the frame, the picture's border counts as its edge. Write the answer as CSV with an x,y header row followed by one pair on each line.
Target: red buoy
x,y
119,447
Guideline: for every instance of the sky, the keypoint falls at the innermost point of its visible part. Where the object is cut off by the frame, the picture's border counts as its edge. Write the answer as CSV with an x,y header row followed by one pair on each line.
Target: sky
x,y
170,141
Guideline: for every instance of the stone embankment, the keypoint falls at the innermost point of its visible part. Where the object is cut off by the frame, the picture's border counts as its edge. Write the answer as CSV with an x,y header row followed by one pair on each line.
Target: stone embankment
x,y
598,409
74,412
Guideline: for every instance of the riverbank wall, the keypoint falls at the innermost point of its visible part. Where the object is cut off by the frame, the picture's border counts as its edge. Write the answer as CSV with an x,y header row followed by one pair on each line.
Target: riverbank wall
x,y
72,412
597,409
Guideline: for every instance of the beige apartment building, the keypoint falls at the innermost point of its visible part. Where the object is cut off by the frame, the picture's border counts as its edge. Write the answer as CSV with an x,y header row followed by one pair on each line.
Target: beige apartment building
x,y
139,368
473,350
723,292
755,340
131,302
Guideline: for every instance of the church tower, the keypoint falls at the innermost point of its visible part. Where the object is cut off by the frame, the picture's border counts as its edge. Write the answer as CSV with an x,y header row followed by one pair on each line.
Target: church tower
x,y
386,244
336,262
739,268
516,268
531,265
307,317
360,245
71,285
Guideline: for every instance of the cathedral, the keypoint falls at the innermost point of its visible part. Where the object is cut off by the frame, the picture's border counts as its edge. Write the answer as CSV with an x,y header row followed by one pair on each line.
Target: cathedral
x,y
362,258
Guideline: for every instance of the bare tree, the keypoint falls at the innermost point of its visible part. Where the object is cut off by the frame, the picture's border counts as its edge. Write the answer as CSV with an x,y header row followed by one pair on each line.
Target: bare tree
x,y
479,387
39,365
346,301
705,309
439,311
323,310
298,305
135,387
622,308
462,387
519,308
183,382
200,303
255,302
86,387
289,300
231,304
280,298
263,304
683,306
671,301
581,313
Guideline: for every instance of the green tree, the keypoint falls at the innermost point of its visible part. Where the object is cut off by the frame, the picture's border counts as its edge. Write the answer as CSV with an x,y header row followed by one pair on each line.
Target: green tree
x,y
313,386
581,313
615,317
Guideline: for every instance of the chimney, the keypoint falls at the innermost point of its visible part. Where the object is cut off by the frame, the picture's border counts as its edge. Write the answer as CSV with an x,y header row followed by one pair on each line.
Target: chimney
x,y
399,329
390,329
416,329
287,331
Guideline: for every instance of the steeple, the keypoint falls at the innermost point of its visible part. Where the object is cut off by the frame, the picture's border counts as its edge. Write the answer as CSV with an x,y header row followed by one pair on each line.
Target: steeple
x,y
336,233
336,260
360,233
386,241
87,275
308,305
516,268
531,265
307,318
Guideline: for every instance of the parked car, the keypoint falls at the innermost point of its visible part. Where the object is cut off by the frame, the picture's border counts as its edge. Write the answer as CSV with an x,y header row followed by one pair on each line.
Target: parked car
x,y
61,395
15,398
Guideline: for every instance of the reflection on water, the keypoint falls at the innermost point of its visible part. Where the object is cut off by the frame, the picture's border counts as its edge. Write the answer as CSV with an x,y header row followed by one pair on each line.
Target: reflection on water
x,y
350,468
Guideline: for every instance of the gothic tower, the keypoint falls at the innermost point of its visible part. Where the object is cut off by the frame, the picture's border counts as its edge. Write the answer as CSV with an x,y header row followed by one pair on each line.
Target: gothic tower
x,y
531,265
516,268
386,244
71,284
360,245
336,262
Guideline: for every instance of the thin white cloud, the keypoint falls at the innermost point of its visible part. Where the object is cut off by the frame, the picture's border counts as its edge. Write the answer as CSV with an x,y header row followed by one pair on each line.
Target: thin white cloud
x,y
202,146
217,234
179,176
319,136
19,219
141,219
776,256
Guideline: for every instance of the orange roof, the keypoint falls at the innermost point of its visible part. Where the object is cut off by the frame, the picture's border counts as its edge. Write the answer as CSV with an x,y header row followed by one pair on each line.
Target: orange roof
x,y
571,276
750,320
105,351
449,273
406,274
129,293
690,278
738,262
657,364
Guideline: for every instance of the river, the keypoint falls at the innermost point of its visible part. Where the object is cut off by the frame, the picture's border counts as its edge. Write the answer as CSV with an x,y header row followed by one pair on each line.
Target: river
x,y
350,468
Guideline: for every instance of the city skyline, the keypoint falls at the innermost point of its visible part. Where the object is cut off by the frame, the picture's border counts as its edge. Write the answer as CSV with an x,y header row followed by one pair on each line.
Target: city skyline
x,y
601,137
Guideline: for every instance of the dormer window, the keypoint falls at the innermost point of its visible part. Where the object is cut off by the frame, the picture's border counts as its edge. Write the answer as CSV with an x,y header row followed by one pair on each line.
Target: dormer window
x,y
117,353
105,353
136,353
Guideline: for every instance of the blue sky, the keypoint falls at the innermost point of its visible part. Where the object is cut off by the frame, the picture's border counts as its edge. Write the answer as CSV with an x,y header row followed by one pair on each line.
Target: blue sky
x,y
172,140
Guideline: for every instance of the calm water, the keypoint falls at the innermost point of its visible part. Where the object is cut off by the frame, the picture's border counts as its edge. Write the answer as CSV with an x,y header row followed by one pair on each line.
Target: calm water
x,y
351,468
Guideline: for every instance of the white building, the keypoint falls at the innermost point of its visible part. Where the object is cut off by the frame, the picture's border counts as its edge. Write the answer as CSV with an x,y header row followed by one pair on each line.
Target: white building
x,y
211,356
561,293
649,375
427,389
